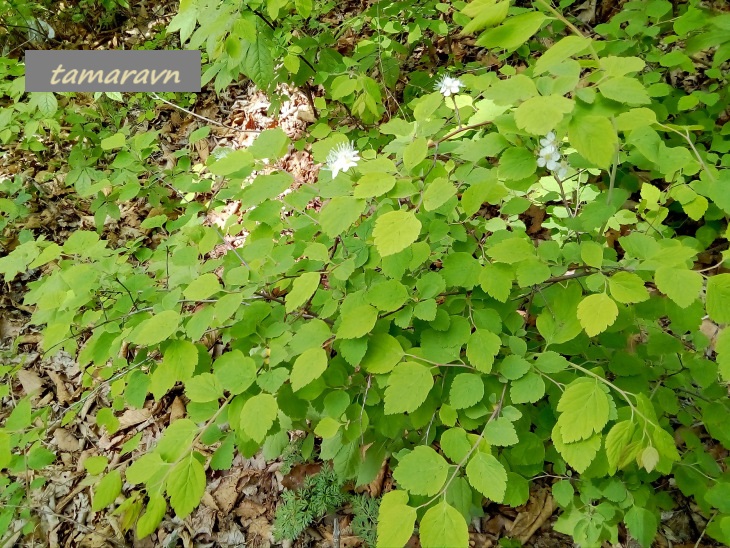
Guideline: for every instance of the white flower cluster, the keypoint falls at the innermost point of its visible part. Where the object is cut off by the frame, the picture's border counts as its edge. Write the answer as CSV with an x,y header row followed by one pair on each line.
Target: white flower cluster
x,y
342,157
549,156
448,86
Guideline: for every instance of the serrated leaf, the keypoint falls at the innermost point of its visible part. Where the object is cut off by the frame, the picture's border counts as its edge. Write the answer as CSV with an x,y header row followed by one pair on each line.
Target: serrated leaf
x,y
617,440
394,231
107,490
584,409
151,519
302,289
156,329
308,367
679,284
235,371
466,390
579,454
512,33
408,387
203,388
383,353
500,432
178,364
627,288
594,137
487,475
597,313
527,389
560,51
396,520
442,526
481,349
496,281
357,322
202,287
339,214
624,90
422,471
541,114
258,415
642,524
718,298
415,152
185,485
437,193
115,141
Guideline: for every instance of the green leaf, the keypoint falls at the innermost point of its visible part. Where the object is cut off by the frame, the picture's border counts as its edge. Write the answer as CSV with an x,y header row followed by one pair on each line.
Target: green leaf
x,y
422,471
234,371
560,51
231,163
383,353
442,526
374,184
512,33
387,296
617,440
527,389
592,254
304,7
115,141
487,475
454,444
202,287
408,387
95,465
466,390
484,14
156,329
517,163
627,288
540,115
203,388
437,193
178,364
339,214
511,250
151,519
396,520
302,289
679,284
596,313
308,367
579,454
585,409
107,490
327,428
642,524
718,298
415,152
394,231
357,322
185,485
258,64
258,416
271,143
500,432
594,137
496,281
481,349
624,90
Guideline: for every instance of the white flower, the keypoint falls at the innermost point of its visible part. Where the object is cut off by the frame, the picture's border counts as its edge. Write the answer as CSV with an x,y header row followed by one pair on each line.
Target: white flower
x,y
448,86
549,158
549,140
342,157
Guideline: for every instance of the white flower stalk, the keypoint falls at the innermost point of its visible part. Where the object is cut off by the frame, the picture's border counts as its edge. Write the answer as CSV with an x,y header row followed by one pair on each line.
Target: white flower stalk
x,y
342,158
448,86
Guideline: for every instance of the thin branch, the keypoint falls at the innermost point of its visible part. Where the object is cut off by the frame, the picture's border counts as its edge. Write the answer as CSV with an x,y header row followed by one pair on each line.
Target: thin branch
x,y
208,120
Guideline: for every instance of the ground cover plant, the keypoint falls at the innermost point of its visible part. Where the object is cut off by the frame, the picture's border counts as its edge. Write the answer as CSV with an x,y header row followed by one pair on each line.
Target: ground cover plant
x,y
510,268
